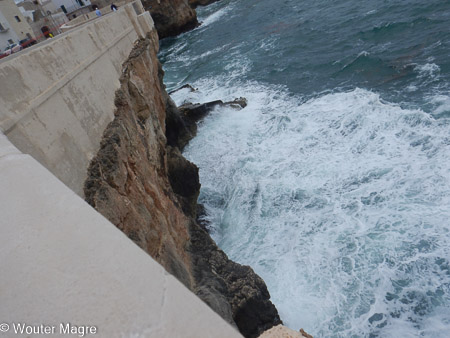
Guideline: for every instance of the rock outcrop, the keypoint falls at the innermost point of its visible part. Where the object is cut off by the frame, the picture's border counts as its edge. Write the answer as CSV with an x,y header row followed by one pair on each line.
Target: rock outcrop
x,y
281,331
140,182
171,17
191,113
195,3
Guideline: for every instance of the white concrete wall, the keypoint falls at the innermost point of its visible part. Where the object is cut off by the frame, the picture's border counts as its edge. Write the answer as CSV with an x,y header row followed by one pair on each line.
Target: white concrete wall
x,y
57,97
62,262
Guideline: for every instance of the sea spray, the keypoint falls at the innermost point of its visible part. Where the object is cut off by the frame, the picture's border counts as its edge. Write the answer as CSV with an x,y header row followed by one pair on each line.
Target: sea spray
x,y
339,203
334,182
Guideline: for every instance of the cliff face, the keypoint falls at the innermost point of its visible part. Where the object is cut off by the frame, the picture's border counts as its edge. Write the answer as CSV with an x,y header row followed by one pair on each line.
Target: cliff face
x,y
140,182
195,3
171,17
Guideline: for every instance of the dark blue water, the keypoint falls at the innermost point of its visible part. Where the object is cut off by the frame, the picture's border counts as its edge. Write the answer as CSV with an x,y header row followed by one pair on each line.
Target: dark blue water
x,y
398,48
334,182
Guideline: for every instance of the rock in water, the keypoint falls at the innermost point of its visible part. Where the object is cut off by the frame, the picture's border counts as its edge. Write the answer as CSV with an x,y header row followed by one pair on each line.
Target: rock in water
x,y
188,86
195,3
171,17
237,103
191,113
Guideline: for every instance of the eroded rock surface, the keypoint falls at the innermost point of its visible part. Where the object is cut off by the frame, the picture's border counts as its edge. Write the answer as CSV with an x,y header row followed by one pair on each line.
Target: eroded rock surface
x,y
171,17
281,331
140,182
195,3
191,113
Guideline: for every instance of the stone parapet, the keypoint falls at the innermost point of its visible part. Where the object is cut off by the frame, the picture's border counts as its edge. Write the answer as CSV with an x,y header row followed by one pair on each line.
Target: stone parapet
x,y
63,263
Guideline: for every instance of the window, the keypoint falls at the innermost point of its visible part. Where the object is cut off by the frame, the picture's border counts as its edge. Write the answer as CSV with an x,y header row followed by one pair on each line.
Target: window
x,y
17,18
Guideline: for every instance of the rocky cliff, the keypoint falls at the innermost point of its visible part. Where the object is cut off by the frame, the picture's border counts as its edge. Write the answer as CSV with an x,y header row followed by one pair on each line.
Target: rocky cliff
x,y
195,3
140,182
171,17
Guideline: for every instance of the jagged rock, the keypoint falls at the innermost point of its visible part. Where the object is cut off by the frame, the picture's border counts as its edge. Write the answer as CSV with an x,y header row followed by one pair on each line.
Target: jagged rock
x,y
281,331
178,131
195,3
243,289
191,89
201,218
127,179
171,17
190,114
140,182
237,103
182,123
304,334
184,180
194,112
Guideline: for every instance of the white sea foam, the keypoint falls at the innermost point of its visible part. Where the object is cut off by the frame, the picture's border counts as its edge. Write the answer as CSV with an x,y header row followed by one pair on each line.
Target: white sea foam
x,y
363,53
187,58
340,203
442,104
411,88
428,70
216,15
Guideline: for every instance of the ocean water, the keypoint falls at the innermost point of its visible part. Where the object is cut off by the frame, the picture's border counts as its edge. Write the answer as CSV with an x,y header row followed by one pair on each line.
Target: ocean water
x,y
334,182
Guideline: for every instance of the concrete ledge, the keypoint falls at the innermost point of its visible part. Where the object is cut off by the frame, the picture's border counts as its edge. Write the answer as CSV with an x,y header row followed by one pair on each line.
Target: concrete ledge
x,y
62,262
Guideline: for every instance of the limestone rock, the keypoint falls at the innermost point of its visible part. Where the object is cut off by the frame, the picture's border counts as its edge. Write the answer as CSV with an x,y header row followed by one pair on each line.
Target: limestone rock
x,y
304,334
281,331
196,111
140,182
188,86
201,218
195,3
184,180
238,103
171,17
178,131
190,113
127,180
243,289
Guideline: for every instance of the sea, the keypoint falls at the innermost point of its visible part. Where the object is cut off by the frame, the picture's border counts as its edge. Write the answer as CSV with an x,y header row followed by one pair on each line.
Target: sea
x,y
333,183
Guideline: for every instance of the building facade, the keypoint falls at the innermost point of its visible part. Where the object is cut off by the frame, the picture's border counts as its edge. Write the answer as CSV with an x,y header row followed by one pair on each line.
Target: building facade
x,y
13,25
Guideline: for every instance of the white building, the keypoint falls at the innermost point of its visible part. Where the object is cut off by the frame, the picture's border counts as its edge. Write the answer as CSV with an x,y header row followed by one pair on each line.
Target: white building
x,y
69,6
13,25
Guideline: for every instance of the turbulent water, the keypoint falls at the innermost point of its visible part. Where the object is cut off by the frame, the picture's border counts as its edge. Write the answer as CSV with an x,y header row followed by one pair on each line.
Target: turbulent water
x,y
334,182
